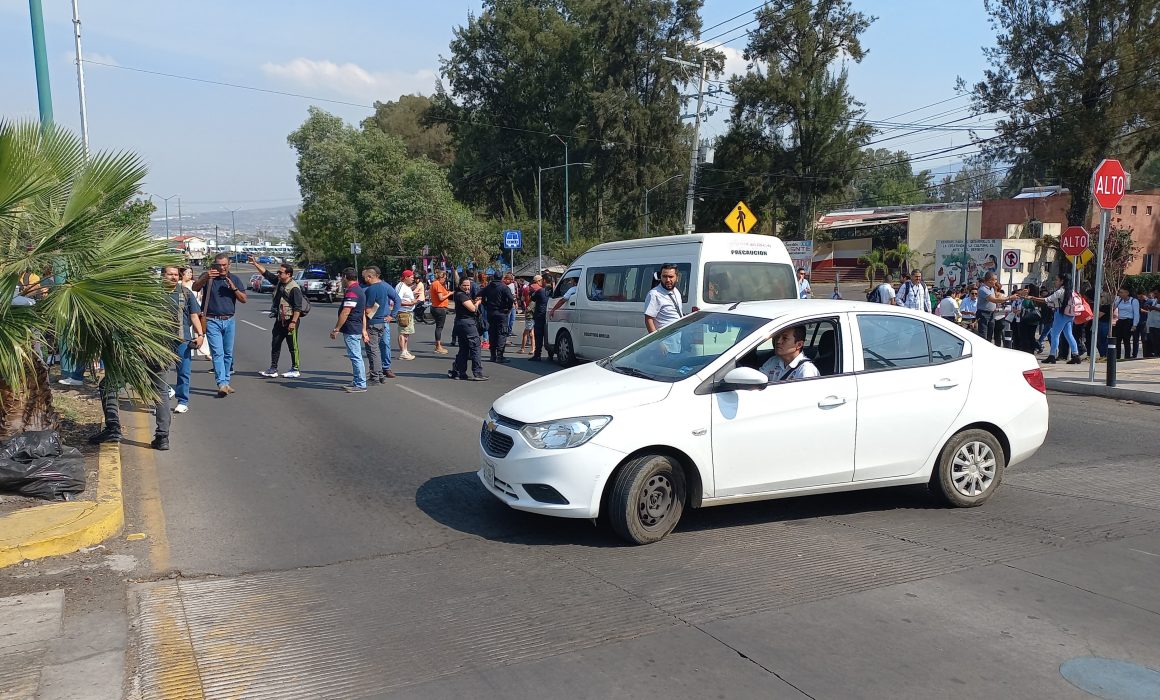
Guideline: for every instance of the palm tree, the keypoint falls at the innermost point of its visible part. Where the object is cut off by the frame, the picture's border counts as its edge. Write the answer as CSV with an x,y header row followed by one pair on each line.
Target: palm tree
x,y
904,255
875,260
104,301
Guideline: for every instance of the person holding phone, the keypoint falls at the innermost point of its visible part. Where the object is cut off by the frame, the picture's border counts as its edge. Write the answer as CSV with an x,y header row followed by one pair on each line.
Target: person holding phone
x,y
222,292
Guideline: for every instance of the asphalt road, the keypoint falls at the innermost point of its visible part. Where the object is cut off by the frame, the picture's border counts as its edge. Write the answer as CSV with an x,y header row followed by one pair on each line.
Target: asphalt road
x,y
304,542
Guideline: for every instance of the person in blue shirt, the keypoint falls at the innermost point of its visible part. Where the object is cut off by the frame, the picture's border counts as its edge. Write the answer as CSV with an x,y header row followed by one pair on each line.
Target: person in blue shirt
x,y
352,324
383,303
224,291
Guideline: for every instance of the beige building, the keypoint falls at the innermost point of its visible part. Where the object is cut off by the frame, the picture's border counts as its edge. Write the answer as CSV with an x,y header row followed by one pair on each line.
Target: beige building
x,y
925,227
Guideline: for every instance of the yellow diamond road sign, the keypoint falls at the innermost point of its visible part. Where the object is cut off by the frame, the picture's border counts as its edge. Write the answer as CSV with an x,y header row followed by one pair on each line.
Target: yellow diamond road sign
x,y
740,219
1084,258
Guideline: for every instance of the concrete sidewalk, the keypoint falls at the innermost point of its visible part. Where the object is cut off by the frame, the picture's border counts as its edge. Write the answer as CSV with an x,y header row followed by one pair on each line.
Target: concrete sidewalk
x,y
1136,380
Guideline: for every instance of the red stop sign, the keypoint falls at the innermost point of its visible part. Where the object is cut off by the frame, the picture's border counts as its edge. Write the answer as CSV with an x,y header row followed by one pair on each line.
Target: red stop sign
x,y
1074,240
1109,181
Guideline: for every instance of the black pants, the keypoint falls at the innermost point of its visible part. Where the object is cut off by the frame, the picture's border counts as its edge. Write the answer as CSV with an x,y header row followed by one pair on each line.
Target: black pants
x,y
539,334
497,334
1123,333
440,316
1139,335
1154,340
281,333
467,336
111,407
986,325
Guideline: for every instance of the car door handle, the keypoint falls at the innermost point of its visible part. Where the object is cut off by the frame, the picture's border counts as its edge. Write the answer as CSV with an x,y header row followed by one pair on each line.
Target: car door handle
x,y
831,402
945,384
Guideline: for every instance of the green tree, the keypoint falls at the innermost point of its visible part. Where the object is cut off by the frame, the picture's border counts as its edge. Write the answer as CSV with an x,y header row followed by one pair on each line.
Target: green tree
x,y
360,185
875,262
404,118
523,78
797,94
904,255
63,216
887,178
976,179
1120,250
135,215
1074,80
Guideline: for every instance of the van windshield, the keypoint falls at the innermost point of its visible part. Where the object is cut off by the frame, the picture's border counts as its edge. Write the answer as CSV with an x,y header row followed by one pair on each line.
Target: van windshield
x,y
684,348
728,282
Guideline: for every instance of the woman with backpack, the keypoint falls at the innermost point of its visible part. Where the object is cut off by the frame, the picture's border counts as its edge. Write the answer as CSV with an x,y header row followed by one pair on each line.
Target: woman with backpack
x,y
1063,302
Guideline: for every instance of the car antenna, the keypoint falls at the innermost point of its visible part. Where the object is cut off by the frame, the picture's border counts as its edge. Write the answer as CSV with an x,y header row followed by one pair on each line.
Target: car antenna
x,y
735,305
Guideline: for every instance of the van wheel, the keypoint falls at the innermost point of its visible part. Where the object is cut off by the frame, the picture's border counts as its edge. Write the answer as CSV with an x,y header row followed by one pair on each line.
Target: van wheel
x,y
969,470
647,499
565,353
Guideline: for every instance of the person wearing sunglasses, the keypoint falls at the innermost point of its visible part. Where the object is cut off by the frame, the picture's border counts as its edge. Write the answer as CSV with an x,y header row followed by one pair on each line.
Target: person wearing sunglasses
x,y
288,306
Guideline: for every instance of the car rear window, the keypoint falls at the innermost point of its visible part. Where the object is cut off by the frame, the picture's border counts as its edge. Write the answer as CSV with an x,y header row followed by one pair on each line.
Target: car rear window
x,y
726,282
314,275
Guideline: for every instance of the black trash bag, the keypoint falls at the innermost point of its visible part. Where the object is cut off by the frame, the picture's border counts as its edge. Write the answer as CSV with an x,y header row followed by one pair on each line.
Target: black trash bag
x,y
36,464
28,446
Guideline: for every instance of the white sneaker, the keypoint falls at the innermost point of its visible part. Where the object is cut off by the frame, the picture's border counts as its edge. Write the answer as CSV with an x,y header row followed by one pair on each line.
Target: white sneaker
x,y
69,381
172,393
292,374
270,372
181,408
407,356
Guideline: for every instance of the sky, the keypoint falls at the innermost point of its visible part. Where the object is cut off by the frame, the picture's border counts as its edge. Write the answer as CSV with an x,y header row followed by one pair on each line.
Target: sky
x,y
220,147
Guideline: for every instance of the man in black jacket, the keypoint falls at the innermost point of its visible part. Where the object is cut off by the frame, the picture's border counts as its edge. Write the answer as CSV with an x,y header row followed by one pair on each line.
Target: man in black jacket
x,y
287,308
498,301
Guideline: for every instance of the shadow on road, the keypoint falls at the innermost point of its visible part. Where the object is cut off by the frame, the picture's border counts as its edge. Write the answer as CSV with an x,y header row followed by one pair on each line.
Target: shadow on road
x,y
460,502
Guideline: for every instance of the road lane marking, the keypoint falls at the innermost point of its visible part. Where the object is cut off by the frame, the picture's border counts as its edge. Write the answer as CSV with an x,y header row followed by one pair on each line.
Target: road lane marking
x,y
1143,552
253,324
150,493
451,407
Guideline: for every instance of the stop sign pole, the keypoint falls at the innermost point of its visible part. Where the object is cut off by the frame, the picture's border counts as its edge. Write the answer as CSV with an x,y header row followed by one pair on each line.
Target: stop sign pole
x,y
1109,182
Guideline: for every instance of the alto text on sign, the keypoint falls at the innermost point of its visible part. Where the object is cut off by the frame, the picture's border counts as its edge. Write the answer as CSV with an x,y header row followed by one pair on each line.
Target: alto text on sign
x,y
1074,240
1109,182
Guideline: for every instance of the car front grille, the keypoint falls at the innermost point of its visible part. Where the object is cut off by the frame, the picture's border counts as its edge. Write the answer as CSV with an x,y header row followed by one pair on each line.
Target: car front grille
x,y
495,443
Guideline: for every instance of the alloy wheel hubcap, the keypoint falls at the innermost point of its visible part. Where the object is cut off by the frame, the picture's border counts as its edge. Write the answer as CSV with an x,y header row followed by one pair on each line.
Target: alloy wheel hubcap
x,y
656,499
973,469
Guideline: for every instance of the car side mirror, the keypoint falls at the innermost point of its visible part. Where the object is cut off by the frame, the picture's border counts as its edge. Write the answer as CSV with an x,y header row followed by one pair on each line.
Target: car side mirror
x,y
744,378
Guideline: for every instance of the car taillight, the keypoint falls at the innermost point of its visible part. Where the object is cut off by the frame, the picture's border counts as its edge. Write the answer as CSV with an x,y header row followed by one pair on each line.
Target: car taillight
x,y
696,309
1034,377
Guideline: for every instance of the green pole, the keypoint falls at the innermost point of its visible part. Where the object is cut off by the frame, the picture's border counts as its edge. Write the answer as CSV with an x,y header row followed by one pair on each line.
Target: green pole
x,y
43,90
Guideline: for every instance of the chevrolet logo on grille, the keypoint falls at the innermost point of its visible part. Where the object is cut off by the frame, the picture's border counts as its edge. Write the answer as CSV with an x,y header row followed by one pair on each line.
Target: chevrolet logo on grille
x,y
489,426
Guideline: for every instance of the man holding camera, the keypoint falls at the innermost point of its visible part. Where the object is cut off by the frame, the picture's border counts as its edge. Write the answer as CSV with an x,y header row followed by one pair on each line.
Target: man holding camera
x,y
223,290
287,306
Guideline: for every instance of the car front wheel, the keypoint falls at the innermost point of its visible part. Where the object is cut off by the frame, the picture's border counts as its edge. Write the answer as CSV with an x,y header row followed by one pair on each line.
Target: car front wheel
x,y
565,353
969,469
647,499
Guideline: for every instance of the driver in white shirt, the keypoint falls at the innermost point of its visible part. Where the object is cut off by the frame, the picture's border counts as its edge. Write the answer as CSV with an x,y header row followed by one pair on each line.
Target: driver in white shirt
x,y
788,362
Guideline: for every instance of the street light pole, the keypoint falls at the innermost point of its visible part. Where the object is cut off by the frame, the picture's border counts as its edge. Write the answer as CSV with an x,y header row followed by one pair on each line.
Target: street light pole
x,y
233,227
567,197
166,200
539,206
81,79
180,223
646,192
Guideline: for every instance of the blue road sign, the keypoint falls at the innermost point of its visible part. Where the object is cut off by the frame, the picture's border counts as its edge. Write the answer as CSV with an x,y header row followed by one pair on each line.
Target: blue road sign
x,y
512,240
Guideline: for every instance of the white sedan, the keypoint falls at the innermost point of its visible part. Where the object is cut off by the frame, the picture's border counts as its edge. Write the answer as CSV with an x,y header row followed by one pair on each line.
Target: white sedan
x,y
685,418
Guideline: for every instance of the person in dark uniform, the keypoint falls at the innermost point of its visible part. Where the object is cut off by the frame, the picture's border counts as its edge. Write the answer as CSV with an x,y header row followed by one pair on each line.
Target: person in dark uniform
x,y
540,299
466,332
498,301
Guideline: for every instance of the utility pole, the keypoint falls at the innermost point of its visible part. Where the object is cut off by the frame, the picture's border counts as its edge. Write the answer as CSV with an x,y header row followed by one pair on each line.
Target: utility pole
x,y
692,191
567,197
180,223
81,79
217,241
40,57
233,227
166,200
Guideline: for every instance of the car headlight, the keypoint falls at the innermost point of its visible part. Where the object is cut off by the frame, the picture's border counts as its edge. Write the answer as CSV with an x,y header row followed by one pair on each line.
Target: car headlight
x,y
564,433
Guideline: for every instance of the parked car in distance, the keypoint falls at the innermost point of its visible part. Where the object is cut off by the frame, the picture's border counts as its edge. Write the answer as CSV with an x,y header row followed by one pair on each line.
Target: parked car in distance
x,y
267,260
318,284
685,417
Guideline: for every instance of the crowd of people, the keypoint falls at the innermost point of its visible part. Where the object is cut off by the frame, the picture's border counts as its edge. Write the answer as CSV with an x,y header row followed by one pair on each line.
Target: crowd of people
x,y
1025,318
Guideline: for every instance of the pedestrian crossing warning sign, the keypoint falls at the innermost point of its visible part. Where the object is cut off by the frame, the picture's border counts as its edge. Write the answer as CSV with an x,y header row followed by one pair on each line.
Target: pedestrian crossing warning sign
x,y
740,219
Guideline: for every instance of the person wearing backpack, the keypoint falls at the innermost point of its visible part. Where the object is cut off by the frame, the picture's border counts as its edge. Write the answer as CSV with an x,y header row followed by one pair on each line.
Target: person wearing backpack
x,y
1063,303
884,293
288,306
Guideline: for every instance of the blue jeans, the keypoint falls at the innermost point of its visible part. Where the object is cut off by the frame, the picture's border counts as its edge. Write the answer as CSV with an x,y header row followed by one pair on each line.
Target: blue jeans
x,y
385,347
354,346
183,365
1062,324
69,367
220,334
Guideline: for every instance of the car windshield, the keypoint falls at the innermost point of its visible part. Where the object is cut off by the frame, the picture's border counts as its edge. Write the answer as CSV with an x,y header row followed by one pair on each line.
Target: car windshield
x,y
313,275
684,348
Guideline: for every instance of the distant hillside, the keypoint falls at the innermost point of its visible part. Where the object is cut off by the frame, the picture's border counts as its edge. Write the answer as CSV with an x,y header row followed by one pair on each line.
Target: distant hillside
x,y
272,223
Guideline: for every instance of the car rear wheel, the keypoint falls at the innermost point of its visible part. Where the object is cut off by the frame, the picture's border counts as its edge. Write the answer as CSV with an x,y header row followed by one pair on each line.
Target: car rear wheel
x,y
969,469
647,499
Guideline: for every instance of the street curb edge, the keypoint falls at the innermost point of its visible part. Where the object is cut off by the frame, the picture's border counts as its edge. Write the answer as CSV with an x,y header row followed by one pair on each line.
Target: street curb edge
x,y
1066,386
63,528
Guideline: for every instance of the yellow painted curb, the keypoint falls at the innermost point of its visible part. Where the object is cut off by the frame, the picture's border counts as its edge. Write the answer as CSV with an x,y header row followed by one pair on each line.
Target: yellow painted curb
x,y
62,528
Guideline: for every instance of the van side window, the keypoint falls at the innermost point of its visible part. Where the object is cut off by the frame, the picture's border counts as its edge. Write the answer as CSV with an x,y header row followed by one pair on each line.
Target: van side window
x,y
605,283
629,283
570,280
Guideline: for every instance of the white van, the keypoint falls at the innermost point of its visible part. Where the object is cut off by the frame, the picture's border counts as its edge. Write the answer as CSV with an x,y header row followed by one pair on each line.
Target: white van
x,y
606,313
